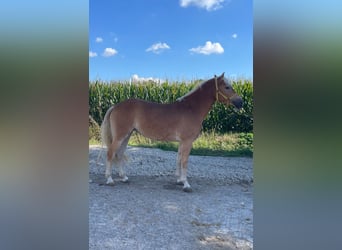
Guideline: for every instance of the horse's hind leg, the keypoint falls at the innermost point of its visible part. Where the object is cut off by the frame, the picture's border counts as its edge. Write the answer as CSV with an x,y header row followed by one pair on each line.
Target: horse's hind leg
x,y
111,156
121,158
116,153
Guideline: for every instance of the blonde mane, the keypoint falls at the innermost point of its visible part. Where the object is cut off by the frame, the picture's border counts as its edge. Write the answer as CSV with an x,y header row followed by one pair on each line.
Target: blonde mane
x,y
198,86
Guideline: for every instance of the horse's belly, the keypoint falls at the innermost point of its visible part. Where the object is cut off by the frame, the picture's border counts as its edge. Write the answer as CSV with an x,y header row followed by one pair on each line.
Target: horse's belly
x,y
160,135
167,126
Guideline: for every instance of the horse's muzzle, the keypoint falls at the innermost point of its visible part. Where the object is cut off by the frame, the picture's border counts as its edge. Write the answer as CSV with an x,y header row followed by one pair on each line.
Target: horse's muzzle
x,y
237,102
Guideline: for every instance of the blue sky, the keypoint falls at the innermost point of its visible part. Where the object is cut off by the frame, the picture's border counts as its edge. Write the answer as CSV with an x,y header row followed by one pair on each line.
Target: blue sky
x,y
170,39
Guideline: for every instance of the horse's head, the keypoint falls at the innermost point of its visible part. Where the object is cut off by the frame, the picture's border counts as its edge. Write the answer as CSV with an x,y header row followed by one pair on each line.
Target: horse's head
x,y
225,92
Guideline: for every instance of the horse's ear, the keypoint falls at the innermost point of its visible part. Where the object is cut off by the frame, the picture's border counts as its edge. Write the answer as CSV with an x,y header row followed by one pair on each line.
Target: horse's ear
x,y
221,76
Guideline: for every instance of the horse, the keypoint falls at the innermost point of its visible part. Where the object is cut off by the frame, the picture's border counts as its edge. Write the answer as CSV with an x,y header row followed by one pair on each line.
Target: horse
x,y
179,121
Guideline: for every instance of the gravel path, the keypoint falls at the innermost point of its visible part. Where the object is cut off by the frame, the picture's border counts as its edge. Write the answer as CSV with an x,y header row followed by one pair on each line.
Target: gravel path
x,y
152,212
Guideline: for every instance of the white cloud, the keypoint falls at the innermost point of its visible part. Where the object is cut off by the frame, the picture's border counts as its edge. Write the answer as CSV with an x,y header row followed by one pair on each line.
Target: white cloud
x,y
99,39
234,36
136,78
157,48
92,54
109,52
208,48
206,4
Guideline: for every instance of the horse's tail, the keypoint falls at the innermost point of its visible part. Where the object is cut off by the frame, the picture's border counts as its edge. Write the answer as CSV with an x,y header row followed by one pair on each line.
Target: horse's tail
x,y
106,133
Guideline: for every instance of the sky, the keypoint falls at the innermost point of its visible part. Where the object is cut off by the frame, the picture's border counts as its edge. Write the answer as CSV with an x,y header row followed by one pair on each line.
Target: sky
x,y
170,39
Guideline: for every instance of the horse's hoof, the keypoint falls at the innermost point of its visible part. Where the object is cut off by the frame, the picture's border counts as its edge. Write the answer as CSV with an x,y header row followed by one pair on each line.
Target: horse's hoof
x,y
187,189
124,179
179,183
110,181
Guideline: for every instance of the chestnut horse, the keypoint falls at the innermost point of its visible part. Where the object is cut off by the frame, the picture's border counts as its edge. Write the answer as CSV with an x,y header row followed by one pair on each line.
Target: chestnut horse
x,y
179,121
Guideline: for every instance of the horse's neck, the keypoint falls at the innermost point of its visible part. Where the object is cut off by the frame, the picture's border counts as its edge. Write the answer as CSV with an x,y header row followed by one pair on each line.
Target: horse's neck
x,y
201,100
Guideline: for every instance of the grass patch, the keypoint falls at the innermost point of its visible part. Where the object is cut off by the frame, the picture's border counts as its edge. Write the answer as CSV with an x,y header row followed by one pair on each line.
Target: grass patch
x,y
210,144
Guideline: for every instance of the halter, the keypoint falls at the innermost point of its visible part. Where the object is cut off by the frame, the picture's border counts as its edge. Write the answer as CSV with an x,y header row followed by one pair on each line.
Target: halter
x,y
219,92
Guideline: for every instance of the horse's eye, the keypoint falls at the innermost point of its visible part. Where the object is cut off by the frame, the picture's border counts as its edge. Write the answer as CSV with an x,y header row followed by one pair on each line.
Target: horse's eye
x,y
227,87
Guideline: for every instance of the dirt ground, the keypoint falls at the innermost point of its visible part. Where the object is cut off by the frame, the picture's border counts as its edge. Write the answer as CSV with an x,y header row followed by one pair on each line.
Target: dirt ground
x,y
152,212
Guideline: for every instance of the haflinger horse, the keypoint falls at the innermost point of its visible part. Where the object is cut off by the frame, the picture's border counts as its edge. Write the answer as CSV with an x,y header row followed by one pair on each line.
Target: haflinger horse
x,y
179,121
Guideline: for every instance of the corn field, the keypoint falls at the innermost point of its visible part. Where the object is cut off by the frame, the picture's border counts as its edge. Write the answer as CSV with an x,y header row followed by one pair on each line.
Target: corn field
x,y
220,118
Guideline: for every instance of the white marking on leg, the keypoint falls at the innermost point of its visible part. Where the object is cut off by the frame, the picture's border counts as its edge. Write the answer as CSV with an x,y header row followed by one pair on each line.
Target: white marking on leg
x,y
121,171
183,175
185,150
186,185
120,167
110,181
178,167
109,173
179,171
124,179
108,169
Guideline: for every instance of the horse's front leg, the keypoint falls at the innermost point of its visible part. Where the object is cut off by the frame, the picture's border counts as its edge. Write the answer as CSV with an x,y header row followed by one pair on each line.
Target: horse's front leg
x,y
178,167
184,149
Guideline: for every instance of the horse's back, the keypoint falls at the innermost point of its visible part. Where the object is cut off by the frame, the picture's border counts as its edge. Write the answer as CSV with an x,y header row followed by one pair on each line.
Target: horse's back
x,y
146,108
